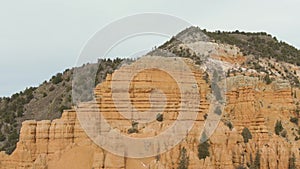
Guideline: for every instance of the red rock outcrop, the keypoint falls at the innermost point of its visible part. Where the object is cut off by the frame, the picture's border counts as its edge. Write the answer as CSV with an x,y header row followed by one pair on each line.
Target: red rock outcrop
x,y
62,143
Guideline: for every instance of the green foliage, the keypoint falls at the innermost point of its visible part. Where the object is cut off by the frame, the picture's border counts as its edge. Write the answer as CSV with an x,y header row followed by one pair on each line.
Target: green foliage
x,y
229,125
292,162
256,163
283,133
159,117
246,134
2,137
259,44
294,120
205,116
107,66
257,160
203,150
241,167
20,113
57,79
278,127
10,145
13,112
62,108
183,159
134,128
13,136
11,109
267,79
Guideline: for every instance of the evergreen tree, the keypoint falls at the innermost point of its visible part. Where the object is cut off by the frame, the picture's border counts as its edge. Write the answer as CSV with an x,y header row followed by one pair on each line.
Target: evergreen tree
x,y
278,127
184,159
203,150
292,161
246,134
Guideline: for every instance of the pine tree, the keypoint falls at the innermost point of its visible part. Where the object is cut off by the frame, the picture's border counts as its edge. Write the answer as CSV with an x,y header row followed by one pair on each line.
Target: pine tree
x,y
278,127
292,161
246,134
184,159
257,160
203,150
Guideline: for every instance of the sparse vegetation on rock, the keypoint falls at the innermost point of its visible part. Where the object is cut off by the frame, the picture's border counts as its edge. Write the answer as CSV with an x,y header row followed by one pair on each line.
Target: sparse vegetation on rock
x,y
183,159
292,162
278,127
159,117
57,79
229,124
294,120
256,163
45,102
246,134
203,150
134,127
260,44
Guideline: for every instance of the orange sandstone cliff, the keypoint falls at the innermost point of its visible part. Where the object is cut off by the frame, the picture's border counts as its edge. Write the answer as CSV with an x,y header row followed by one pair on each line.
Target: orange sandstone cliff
x,y
250,103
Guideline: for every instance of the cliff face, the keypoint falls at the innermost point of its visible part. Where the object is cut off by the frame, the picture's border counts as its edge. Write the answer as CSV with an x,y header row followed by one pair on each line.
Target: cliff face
x,y
62,143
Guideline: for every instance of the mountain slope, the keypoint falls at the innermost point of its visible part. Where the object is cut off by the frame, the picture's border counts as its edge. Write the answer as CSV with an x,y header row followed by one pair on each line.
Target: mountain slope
x,y
45,102
263,53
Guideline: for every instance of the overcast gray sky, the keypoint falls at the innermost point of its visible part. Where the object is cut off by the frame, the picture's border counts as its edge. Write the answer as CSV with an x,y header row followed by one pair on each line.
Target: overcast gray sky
x,y
39,38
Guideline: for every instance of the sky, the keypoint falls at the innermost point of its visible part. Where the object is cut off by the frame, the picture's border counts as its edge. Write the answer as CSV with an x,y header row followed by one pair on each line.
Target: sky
x,y
39,38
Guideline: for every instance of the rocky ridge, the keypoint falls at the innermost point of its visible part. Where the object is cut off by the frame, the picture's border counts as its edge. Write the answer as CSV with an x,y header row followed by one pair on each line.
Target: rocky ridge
x,y
62,143
261,93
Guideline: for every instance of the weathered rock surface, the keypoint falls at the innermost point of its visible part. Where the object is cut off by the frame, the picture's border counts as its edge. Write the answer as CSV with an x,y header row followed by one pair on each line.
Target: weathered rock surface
x,y
63,144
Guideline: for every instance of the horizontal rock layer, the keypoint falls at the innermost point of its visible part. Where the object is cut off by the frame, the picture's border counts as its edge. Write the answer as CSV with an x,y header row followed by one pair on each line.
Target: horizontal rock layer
x,y
63,143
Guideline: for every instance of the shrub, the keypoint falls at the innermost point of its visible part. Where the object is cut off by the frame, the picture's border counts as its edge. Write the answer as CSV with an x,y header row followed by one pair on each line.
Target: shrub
x,y
2,137
10,147
51,88
256,164
283,133
246,135
62,108
258,46
294,120
292,161
203,150
278,127
13,136
183,159
134,128
57,79
159,117
205,116
19,114
241,167
267,79
229,125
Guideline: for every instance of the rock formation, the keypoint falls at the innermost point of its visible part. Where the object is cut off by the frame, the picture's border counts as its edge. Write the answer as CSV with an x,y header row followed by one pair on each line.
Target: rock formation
x,y
63,144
